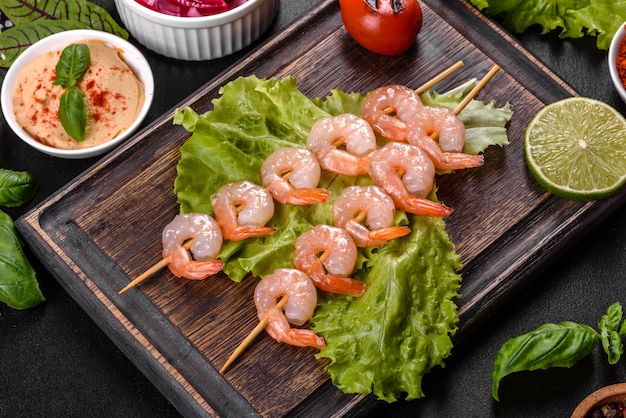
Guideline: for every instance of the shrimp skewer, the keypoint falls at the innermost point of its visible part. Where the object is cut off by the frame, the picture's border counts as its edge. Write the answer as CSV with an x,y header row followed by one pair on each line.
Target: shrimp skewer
x,y
345,130
407,174
301,296
292,175
372,205
242,209
206,244
327,254
394,113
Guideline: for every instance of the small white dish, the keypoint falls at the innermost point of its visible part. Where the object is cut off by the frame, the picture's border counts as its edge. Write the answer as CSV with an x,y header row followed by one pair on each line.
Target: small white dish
x,y
618,38
198,38
131,55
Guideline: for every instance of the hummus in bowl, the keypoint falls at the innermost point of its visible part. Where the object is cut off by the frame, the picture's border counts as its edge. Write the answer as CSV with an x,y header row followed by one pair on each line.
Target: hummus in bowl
x,y
118,88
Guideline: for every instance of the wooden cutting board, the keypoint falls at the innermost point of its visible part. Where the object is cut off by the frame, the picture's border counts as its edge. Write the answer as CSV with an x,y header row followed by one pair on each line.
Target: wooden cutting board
x,y
103,229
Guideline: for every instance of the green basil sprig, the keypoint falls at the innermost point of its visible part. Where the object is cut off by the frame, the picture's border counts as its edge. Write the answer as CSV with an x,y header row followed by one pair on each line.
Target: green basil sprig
x,y
18,285
559,345
73,63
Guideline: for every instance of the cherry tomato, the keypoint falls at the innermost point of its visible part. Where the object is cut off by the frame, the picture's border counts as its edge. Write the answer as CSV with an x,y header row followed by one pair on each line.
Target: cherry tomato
x,y
387,27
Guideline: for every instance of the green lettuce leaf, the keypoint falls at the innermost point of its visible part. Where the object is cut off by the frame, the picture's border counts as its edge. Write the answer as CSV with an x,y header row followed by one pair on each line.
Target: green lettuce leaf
x,y
574,18
386,341
402,327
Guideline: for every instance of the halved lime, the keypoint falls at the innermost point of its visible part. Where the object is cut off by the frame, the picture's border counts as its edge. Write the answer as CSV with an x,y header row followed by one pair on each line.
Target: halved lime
x,y
576,148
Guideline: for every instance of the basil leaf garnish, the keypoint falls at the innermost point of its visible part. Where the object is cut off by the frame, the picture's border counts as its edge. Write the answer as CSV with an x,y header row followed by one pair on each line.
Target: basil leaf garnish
x,y
72,65
73,113
550,345
16,187
18,285
611,333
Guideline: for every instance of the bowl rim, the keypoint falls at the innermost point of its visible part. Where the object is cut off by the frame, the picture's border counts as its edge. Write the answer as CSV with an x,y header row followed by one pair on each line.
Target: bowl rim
x,y
618,37
191,22
131,55
611,393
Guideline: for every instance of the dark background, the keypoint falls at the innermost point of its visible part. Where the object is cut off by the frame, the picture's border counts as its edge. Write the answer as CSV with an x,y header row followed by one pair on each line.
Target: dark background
x,y
54,361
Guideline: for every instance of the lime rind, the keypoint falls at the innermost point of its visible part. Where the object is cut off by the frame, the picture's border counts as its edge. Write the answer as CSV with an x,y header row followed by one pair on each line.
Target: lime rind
x,y
576,148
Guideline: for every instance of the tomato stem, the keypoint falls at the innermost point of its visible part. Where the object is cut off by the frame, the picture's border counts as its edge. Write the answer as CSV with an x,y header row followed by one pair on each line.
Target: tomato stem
x,y
396,5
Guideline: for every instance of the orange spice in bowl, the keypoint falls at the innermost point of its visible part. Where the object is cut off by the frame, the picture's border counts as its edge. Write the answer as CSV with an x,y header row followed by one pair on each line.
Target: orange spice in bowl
x,y
620,61
617,61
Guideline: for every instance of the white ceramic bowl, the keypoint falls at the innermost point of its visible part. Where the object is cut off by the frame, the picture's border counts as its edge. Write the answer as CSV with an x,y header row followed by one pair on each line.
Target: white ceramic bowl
x,y
131,55
198,38
613,52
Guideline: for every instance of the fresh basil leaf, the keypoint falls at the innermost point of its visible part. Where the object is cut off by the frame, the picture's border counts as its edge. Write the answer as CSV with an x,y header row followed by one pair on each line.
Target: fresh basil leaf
x,y
18,285
90,14
73,113
16,187
610,332
73,63
550,345
15,40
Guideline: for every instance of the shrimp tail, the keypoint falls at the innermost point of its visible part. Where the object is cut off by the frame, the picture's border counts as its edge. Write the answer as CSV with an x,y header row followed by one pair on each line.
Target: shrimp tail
x,y
285,194
341,162
364,237
242,232
298,337
309,196
389,233
339,285
279,329
390,127
458,161
420,206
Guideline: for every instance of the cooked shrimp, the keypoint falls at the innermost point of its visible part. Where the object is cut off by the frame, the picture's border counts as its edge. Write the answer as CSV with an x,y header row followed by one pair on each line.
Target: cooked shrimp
x,y
373,206
446,151
345,131
388,109
206,245
292,175
301,296
328,255
407,174
242,209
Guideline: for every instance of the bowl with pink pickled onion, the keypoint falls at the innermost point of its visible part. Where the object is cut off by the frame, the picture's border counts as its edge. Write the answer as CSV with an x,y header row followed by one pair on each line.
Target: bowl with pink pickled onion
x,y
196,30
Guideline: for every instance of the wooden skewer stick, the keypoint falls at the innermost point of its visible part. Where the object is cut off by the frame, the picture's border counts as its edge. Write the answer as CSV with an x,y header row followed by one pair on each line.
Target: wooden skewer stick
x,y
439,77
436,79
253,334
472,94
478,87
152,270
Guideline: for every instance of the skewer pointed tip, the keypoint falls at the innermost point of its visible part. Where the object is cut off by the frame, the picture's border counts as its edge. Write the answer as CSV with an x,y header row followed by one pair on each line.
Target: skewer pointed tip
x,y
251,336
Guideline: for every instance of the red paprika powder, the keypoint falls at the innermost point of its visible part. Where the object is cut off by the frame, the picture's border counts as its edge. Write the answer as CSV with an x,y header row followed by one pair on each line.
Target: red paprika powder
x,y
620,61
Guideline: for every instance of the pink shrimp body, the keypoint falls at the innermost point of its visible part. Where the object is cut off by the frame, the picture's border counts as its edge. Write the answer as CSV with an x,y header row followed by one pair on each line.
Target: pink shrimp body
x,y
207,243
328,255
407,174
242,209
375,208
301,296
292,175
446,150
388,109
345,131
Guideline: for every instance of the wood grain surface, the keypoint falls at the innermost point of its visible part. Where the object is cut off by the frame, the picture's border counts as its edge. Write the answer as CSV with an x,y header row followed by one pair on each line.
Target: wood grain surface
x,y
103,229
